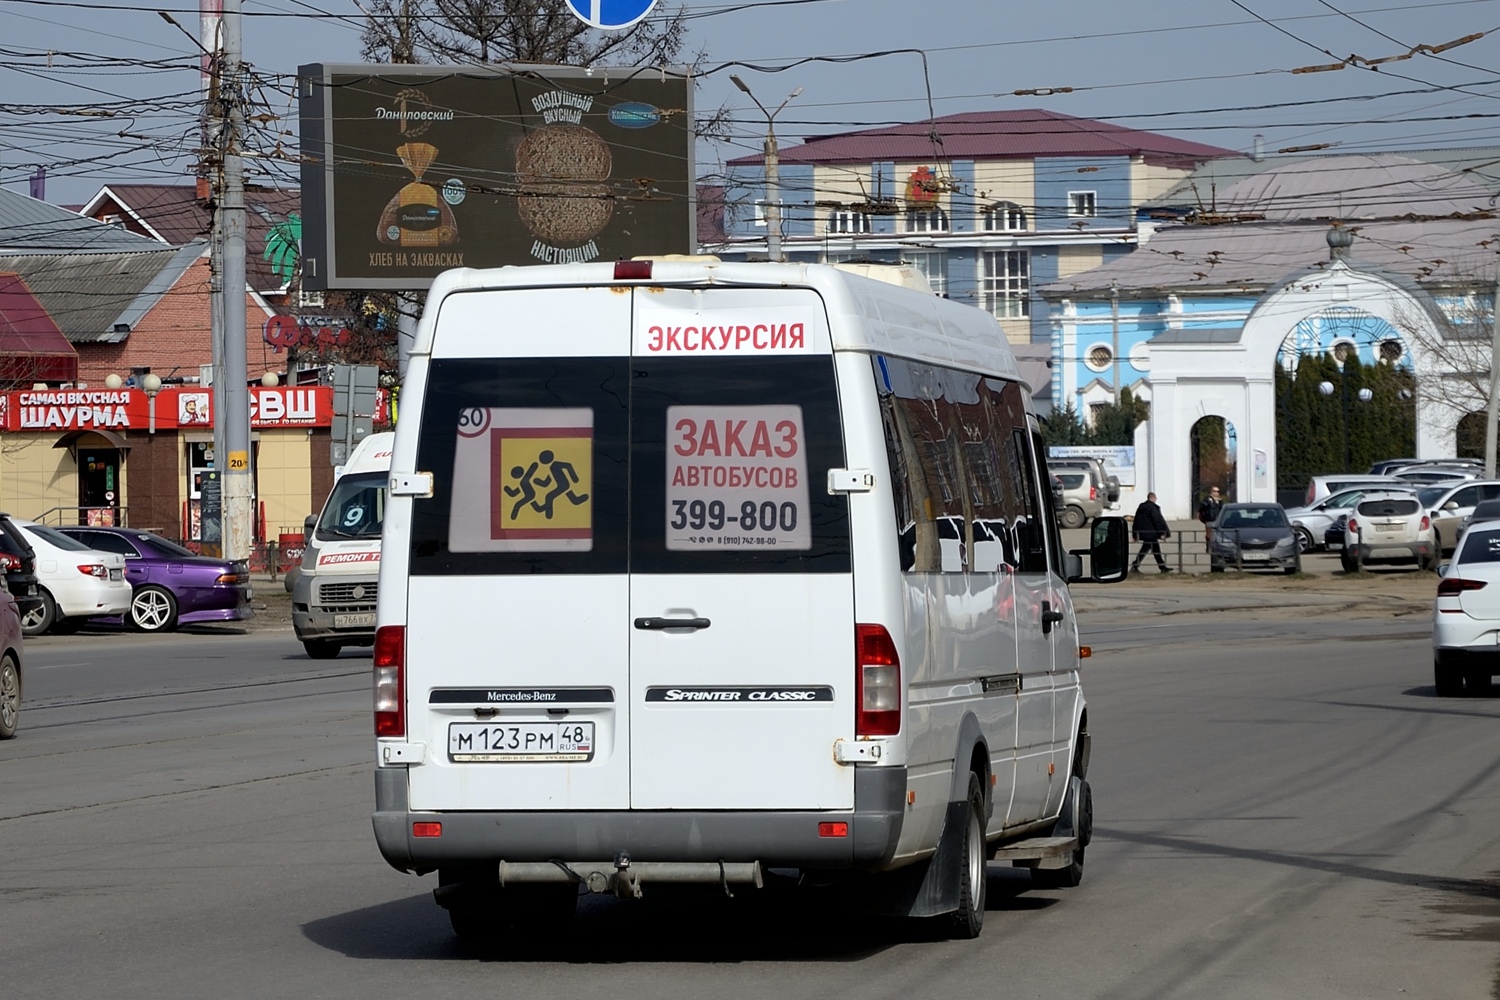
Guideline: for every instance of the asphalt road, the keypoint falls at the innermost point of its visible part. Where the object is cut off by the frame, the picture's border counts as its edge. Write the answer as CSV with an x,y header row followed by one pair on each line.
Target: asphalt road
x,y
1284,809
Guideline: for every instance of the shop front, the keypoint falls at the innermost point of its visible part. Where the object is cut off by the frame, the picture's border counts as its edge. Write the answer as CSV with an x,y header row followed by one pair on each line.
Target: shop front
x,y
123,457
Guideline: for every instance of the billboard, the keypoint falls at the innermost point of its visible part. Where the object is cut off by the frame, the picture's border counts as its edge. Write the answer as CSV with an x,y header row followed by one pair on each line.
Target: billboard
x,y
410,170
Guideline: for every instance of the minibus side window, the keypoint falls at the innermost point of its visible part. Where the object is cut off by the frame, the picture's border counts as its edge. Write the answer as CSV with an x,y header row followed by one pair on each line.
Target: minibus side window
x,y
960,496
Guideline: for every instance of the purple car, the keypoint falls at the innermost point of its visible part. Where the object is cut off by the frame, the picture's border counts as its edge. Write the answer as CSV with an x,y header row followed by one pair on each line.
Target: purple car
x,y
170,584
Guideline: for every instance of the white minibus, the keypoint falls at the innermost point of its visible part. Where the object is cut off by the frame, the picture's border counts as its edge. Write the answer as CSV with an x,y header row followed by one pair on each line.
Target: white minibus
x,y
704,572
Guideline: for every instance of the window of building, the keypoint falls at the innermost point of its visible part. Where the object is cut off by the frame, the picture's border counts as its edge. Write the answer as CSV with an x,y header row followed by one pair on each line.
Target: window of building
x,y
845,221
1005,283
1099,357
926,220
758,218
1081,204
1391,351
934,266
1097,412
1003,217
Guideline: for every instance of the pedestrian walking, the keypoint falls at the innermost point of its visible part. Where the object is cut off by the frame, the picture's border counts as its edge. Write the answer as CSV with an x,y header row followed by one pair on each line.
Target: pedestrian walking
x,y
1208,513
1149,528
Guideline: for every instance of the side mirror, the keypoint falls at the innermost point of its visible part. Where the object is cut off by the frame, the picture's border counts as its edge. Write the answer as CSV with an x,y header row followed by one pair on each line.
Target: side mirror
x,y
309,525
1451,505
1443,568
1109,553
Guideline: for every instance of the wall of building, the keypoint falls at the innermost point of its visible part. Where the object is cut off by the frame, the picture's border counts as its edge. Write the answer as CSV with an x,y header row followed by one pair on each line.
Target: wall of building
x,y
1149,181
283,478
1108,177
174,336
35,476
155,480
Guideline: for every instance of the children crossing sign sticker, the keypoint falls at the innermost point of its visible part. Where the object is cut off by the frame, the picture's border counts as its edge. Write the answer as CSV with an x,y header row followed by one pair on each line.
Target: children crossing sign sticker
x,y
611,14
523,481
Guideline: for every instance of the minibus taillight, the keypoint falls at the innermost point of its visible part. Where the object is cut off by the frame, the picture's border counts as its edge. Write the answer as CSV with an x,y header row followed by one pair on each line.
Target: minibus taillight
x,y
632,270
390,661
877,682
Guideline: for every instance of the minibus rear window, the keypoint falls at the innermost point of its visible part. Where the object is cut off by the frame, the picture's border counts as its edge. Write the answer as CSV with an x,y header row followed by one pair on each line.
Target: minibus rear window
x,y
608,465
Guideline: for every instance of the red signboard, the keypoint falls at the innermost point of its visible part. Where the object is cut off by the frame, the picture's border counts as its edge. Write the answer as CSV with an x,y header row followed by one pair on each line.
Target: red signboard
x,y
184,407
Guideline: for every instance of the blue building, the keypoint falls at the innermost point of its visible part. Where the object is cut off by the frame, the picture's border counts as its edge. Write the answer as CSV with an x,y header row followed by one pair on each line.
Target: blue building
x,y
989,205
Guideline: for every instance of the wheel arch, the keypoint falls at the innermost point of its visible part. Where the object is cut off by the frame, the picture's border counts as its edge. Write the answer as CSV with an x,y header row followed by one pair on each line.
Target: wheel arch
x,y
971,756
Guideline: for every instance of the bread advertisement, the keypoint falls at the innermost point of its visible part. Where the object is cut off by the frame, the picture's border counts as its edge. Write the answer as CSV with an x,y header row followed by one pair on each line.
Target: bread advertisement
x,y
411,170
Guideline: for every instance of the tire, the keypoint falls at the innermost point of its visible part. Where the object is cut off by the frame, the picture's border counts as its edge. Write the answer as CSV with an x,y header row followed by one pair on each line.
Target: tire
x,y
152,609
321,649
42,618
1304,539
1072,875
1448,680
1348,562
1294,568
488,919
1214,566
967,921
10,697
1072,516
1437,542
1477,683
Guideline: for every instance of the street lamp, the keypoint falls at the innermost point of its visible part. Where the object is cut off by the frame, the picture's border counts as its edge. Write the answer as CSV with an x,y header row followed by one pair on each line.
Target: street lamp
x,y
1365,395
151,385
773,193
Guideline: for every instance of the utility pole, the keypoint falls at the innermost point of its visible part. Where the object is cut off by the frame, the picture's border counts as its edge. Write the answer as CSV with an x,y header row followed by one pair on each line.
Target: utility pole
x,y
1114,335
773,177
1494,410
234,416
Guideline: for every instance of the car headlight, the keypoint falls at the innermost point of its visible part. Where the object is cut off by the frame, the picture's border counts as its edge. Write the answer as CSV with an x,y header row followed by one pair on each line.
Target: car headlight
x,y
1285,544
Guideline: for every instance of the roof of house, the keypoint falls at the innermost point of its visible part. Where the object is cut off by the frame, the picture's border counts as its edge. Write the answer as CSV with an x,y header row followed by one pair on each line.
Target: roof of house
x,y
28,336
89,295
1251,257
1205,188
1360,186
1416,220
997,135
35,227
175,215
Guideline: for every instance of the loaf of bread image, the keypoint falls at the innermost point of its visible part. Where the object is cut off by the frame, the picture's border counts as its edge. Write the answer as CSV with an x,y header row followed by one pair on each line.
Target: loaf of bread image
x,y
416,216
562,170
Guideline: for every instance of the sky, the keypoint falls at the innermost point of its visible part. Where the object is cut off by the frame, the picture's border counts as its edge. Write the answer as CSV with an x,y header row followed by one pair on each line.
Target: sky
x,y
101,91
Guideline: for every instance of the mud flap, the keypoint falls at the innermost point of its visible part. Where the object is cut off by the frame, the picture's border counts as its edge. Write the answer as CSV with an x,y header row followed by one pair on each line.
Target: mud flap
x,y
926,889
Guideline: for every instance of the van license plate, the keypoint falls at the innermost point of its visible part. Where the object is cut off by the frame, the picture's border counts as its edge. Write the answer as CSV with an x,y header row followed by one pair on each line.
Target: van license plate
x,y
520,742
354,621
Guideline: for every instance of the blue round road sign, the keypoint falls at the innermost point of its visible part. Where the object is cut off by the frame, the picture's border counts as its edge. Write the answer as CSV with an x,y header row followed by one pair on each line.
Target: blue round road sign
x,y
610,14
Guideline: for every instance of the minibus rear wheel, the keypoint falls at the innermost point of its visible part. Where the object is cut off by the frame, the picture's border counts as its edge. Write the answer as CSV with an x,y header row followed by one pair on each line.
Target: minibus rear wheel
x,y
968,920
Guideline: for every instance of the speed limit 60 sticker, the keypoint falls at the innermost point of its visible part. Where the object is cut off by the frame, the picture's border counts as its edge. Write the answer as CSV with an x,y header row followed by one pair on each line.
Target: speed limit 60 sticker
x,y
736,477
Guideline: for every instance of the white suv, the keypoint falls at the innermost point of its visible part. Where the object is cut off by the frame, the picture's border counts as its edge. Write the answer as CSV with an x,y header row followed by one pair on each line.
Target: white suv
x,y
1389,527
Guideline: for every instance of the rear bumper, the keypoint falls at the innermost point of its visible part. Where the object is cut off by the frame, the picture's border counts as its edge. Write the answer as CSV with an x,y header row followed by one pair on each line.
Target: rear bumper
x,y
774,838
1399,552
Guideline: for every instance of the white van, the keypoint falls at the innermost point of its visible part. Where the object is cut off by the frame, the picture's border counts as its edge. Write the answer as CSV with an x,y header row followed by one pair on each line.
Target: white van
x,y
695,570
333,597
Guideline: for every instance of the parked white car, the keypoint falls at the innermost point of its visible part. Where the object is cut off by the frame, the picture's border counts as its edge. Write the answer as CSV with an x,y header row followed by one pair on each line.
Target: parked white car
x,y
1389,527
75,582
1466,615
1449,504
1313,521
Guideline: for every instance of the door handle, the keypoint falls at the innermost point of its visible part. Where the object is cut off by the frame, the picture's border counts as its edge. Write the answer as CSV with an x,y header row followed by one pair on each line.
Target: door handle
x,y
1050,617
657,624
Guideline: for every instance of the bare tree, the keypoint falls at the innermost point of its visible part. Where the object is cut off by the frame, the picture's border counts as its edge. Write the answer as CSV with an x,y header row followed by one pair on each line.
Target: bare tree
x,y
1456,339
477,32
